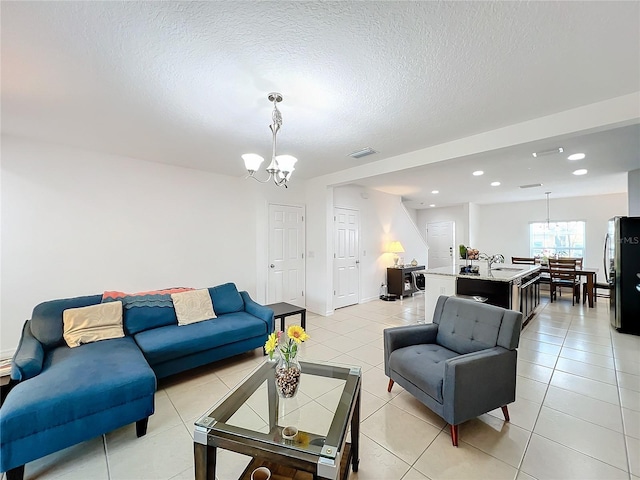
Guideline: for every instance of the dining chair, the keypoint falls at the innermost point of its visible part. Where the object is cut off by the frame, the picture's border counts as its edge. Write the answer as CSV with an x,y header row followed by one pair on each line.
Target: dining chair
x,y
544,276
597,285
523,261
562,272
577,259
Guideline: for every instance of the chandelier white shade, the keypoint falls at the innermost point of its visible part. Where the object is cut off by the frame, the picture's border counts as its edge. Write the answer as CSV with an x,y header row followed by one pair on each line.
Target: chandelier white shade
x,y
252,161
281,166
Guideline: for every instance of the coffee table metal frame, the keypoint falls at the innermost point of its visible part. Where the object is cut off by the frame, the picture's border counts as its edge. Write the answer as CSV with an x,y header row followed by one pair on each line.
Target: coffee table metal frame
x,y
323,461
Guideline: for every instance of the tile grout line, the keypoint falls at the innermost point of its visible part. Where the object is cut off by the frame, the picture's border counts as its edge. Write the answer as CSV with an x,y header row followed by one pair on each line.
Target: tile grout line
x,y
526,448
580,452
106,455
620,408
624,427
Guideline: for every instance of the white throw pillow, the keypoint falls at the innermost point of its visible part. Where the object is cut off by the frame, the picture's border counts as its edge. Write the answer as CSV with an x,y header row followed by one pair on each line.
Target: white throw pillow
x,y
93,323
193,306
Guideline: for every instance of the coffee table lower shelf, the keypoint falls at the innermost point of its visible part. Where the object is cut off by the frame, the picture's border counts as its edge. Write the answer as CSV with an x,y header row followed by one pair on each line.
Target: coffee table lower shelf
x,y
281,472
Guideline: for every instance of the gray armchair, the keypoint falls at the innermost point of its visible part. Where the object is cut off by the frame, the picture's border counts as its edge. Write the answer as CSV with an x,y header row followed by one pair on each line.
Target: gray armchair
x,y
460,366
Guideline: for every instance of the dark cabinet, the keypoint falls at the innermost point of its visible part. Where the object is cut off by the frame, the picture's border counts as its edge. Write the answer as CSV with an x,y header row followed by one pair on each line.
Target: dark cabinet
x,y
521,294
497,293
401,282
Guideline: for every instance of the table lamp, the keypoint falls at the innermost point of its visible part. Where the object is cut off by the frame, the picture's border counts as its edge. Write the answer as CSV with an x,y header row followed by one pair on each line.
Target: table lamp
x,y
396,247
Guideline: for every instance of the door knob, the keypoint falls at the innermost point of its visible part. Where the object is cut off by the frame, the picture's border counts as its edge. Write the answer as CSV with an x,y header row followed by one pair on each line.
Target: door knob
x,y
272,266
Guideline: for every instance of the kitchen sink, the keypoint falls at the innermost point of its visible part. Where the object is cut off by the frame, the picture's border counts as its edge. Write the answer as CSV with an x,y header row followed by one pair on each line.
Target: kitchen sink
x,y
508,269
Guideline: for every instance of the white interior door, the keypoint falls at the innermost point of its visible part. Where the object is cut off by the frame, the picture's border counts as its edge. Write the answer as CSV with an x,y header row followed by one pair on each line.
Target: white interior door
x,y
346,260
440,240
286,255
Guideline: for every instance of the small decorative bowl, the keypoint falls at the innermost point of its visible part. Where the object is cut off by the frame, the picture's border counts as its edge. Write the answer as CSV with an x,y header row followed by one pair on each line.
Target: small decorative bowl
x,y
289,432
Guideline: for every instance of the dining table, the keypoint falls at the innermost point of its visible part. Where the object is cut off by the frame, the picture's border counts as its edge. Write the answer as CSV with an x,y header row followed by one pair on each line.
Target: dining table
x,y
589,273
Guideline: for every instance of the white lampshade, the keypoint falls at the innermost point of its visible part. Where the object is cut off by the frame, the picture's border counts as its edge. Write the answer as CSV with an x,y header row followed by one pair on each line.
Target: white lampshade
x,y
396,247
286,162
252,161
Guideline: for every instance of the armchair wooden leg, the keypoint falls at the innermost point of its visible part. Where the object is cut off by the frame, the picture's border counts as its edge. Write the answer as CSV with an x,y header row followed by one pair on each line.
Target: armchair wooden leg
x,y
505,412
390,385
454,434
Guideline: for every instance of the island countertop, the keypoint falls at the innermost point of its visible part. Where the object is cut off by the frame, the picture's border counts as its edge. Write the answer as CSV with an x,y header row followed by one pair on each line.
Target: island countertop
x,y
500,272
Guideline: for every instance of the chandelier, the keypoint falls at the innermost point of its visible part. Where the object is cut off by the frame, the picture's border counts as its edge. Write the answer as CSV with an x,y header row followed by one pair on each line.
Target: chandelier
x,y
281,166
548,217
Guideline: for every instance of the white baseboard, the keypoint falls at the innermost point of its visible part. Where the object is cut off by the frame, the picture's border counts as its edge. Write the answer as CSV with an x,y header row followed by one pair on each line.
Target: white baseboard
x,y
369,299
7,353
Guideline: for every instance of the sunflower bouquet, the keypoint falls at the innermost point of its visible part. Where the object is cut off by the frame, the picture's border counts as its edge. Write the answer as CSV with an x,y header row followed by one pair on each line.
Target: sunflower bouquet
x,y
287,349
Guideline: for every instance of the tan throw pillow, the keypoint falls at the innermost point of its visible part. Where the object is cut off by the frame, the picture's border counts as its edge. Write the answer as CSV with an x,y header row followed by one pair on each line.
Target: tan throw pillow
x,y
92,323
194,306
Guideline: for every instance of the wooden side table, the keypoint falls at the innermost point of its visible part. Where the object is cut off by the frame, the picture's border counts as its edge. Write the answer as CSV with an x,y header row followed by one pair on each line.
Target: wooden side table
x,y
283,310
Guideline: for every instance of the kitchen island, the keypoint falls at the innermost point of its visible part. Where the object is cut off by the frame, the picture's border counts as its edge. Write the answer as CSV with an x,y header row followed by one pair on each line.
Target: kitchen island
x,y
516,287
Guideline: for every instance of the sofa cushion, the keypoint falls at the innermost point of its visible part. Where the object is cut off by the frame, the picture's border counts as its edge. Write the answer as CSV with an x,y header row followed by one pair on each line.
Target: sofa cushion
x,y
192,307
466,326
46,319
93,323
171,342
422,365
146,310
75,383
226,299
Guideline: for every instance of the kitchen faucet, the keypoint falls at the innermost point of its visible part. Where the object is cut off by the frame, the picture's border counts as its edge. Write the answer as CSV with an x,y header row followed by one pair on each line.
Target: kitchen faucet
x,y
491,259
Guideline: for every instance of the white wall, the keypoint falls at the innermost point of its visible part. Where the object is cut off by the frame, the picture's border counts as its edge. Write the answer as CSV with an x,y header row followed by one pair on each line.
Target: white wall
x,y
633,180
413,214
504,228
383,218
319,199
78,223
473,211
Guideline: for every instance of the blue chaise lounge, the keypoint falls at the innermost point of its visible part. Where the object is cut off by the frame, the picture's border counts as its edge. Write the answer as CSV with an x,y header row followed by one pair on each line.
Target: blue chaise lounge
x,y
68,395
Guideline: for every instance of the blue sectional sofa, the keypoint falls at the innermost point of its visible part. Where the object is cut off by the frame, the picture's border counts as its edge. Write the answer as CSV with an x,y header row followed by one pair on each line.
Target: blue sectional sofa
x,y
68,395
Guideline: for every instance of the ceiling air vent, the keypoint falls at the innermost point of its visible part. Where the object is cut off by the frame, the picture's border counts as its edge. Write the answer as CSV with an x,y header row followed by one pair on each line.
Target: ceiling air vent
x,y
548,152
362,153
531,185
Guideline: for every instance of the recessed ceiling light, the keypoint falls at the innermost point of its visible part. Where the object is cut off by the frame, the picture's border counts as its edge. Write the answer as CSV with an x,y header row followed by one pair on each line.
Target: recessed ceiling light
x,y
581,171
576,156
477,173
548,152
435,191
432,205
495,184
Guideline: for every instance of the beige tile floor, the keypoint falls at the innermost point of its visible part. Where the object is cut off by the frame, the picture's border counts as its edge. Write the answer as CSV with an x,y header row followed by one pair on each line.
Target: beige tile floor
x,y
577,412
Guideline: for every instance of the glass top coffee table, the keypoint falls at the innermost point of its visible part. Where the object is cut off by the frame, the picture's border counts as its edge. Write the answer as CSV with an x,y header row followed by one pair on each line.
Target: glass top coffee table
x,y
250,420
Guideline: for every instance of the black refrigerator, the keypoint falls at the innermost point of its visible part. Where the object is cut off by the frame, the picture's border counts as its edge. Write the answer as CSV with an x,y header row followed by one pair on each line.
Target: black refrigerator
x,y
622,268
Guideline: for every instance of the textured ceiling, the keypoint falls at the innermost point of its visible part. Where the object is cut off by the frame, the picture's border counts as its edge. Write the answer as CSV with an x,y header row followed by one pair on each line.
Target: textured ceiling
x,y
186,82
609,155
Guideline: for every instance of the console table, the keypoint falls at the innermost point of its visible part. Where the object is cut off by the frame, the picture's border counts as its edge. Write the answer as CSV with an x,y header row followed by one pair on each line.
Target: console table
x,y
397,278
